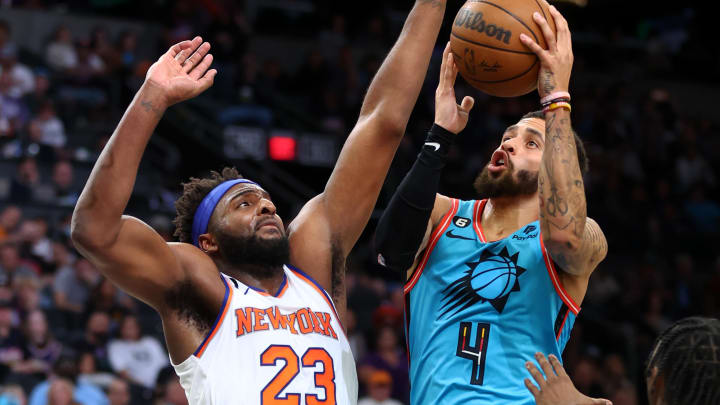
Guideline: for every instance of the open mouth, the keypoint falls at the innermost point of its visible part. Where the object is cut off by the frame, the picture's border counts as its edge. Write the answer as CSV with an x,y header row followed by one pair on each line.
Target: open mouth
x,y
499,161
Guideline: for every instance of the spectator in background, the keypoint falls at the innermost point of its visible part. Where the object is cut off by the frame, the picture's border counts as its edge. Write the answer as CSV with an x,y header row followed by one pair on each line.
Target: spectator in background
x,y
379,387
60,53
390,357
27,182
95,340
89,64
101,46
12,394
80,392
72,286
65,192
9,221
46,128
16,79
41,348
5,34
107,298
135,357
36,244
691,168
11,341
118,392
127,46
11,265
27,295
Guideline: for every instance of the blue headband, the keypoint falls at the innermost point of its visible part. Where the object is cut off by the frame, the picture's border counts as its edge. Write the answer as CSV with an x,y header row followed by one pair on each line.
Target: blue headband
x,y
207,206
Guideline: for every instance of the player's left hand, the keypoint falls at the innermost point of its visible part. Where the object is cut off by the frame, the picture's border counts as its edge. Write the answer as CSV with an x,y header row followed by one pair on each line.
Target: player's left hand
x,y
556,387
555,62
448,113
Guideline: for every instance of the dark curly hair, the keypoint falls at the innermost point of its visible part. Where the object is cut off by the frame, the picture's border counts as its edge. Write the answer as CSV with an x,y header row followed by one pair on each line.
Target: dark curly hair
x,y
687,354
193,193
583,160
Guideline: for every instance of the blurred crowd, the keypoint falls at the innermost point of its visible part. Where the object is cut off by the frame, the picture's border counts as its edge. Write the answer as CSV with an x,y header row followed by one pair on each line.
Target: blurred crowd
x,y
68,335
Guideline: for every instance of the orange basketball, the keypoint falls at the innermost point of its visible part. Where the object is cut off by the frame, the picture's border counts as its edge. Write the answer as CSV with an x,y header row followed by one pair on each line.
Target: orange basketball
x,y
485,41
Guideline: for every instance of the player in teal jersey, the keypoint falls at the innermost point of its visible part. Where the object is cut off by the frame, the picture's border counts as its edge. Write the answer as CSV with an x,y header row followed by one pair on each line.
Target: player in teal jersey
x,y
491,282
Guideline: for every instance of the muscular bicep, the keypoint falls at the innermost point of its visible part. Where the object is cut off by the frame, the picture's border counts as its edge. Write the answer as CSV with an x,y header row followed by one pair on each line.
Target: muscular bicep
x,y
139,261
353,188
585,259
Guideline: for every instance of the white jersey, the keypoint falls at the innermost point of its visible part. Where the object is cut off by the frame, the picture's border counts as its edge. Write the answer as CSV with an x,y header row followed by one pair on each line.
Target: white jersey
x,y
265,349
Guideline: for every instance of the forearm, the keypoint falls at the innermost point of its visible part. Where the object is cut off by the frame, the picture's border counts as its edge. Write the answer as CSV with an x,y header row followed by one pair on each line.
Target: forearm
x,y
100,207
396,86
400,231
563,208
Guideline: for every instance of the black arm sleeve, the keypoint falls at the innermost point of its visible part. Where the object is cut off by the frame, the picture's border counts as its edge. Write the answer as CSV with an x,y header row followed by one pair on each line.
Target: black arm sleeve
x,y
402,226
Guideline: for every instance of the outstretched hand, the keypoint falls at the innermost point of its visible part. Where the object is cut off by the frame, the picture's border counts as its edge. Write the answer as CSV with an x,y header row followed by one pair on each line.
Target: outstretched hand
x,y
555,62
182,72
556,387
448,113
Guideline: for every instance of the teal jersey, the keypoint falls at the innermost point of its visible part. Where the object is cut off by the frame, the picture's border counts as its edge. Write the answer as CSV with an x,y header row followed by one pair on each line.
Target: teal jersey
x,y
477,310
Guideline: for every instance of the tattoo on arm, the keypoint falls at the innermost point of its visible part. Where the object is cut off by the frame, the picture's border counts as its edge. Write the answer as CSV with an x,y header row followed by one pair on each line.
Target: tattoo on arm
x,y
148,106
548,83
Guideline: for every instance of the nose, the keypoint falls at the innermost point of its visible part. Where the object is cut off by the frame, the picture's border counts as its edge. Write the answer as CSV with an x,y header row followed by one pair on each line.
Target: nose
x,y
266,207
508,147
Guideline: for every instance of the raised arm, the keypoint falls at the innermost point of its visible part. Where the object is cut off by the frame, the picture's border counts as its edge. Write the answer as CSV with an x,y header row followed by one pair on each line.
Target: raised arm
x,y
574,241
330,224
416,208
123,248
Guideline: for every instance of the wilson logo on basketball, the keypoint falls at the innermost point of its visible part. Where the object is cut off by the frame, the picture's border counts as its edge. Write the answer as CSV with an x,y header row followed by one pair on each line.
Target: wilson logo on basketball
x,y
303,321
475,21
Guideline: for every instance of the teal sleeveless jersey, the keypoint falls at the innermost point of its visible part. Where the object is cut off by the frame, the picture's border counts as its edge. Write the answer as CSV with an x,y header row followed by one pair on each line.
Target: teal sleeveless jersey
x,y
477,310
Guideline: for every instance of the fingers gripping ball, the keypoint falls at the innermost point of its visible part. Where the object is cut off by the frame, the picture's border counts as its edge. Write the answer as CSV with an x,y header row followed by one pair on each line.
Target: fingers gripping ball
x,y
485,41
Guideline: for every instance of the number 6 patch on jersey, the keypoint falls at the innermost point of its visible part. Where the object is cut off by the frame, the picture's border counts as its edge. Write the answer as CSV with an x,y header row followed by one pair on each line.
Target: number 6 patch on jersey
x,y
474,351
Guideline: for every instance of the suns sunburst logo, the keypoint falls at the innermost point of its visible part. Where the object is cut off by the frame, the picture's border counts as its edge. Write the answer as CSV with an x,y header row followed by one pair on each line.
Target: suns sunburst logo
x,y
490,279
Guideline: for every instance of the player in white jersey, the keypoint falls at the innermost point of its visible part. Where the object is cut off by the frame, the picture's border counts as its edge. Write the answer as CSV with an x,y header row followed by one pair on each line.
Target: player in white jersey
x,y
240,326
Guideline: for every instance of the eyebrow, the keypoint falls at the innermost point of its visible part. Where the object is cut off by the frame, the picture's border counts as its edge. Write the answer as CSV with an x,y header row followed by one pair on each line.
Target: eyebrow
x,y
514,128
244,191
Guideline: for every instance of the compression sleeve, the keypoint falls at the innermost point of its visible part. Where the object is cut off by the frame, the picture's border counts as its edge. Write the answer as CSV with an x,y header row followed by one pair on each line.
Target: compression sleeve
x,y
401,228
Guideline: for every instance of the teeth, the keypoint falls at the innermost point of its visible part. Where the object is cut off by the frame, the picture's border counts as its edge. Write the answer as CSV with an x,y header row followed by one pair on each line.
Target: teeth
x,y
501,161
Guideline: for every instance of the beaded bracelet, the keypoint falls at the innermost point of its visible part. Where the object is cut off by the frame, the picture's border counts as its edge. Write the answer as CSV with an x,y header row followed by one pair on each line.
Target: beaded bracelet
x,y
555,106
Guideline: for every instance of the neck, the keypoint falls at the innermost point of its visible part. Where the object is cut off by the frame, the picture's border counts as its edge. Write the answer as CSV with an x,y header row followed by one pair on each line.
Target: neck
x,y
504,215
268,279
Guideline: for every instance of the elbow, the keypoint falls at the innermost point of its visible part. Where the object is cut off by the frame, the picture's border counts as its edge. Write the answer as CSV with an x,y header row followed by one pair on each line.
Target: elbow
x,y
84,237
384,122
563,241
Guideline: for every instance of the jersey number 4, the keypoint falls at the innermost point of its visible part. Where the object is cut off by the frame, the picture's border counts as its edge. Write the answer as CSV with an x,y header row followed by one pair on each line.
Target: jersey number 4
x,y
475,352
325,379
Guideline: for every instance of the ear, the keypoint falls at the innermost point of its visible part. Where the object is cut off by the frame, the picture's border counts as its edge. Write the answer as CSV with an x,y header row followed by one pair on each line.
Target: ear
x,y
207,243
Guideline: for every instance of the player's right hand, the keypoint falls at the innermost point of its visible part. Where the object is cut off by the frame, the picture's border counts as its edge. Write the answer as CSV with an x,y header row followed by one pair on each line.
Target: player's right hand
x,y
555,388
182,72
448,113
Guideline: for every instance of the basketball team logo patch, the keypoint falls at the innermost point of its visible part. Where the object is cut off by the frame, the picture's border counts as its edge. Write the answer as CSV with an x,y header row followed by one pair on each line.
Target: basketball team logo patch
x,y
490,279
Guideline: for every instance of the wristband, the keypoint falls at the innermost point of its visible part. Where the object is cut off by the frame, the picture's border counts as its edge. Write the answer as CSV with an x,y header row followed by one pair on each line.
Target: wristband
x,y
558,94
439,139
555,106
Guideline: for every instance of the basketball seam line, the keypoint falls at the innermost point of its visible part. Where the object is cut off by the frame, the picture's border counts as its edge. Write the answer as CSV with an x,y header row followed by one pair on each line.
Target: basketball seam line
x,y
513,16
499,49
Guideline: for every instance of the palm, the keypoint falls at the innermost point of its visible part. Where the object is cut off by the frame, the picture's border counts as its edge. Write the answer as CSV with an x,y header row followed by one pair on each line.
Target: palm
x,y
182,71
448,114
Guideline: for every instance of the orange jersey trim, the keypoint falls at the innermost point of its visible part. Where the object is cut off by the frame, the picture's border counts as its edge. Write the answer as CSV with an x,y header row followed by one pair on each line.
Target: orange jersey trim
x,y
218,321
434,238
564,296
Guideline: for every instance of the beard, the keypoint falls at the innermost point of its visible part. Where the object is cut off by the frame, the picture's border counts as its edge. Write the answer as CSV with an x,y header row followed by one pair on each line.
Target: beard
x,y
258,257
505,185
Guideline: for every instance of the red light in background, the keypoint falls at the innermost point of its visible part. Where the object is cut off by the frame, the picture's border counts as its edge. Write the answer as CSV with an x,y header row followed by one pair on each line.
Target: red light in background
x,y
282,148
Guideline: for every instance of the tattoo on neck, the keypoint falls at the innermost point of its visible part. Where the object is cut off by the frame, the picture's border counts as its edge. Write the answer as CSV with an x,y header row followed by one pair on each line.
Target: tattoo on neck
x,y
148,106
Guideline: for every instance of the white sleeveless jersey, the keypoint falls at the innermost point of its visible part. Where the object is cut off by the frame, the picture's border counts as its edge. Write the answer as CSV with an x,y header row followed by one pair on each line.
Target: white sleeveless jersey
x,y
286,349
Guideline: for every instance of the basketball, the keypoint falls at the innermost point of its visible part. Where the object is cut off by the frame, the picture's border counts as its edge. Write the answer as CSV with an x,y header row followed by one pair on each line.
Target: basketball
x,y
485,42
